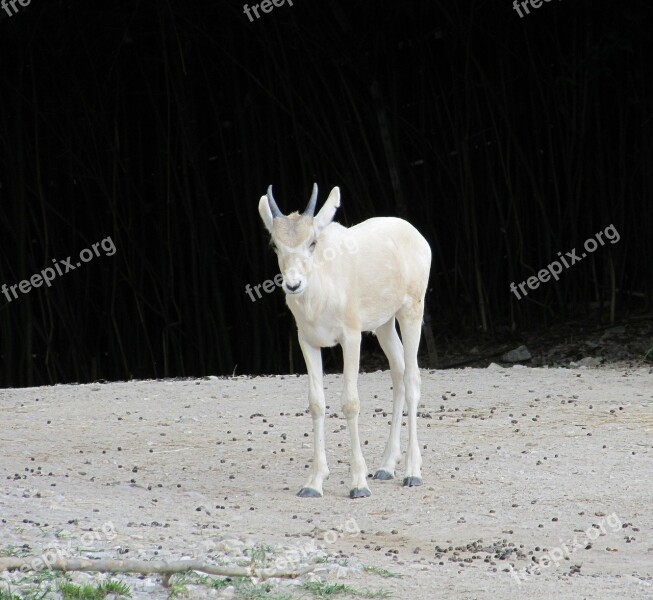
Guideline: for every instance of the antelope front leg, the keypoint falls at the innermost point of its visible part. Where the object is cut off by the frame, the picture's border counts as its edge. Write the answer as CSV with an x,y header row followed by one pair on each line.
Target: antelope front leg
x,y
319,470
351,347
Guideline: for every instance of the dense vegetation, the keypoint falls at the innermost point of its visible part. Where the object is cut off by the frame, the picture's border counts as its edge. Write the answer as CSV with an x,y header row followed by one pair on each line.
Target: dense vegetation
x,y
504,139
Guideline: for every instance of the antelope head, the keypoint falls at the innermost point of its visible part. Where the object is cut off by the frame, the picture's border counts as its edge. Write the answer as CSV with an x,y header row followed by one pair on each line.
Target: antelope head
x,y
296,236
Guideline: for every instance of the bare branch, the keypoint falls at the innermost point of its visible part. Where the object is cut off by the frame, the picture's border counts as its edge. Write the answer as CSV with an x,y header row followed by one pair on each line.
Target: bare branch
x,y
145,567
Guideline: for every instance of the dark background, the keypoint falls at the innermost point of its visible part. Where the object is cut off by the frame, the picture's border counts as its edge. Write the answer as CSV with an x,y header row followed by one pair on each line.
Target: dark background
x,y
503,139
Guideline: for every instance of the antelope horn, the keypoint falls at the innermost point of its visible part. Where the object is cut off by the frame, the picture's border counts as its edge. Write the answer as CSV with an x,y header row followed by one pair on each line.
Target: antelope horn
x,y
273,205
310,209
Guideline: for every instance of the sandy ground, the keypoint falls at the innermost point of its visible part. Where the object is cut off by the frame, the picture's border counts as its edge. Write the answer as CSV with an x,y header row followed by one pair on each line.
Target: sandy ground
x,y
554,465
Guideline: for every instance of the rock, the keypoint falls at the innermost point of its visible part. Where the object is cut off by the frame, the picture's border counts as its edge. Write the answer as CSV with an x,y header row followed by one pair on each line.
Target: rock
x,y
588,361
149,585
517,355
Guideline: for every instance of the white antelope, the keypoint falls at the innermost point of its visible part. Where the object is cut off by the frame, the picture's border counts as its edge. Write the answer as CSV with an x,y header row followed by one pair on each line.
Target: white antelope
x,y
336,295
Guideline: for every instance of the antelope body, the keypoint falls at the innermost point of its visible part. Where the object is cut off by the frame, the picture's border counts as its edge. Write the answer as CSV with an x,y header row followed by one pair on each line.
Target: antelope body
x,y
338,283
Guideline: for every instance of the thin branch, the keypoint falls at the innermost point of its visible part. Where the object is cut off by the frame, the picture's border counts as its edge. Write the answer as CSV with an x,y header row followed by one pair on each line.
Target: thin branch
x,y
147,567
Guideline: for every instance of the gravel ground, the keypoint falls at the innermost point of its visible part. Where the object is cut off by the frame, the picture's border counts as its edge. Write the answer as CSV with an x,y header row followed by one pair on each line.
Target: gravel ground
x,y
520,465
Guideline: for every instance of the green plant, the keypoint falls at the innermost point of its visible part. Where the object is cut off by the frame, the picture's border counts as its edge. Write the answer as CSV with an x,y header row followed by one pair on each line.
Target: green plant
x,y
649,355
381,572
14,550
246,590
322,589
260,554
72,591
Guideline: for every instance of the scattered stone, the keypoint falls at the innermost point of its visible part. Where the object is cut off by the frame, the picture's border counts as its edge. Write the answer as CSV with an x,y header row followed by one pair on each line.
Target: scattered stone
x,y
519,354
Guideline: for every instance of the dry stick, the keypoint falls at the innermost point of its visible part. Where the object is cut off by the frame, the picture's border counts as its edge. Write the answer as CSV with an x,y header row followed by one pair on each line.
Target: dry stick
x,y
145,567
613,288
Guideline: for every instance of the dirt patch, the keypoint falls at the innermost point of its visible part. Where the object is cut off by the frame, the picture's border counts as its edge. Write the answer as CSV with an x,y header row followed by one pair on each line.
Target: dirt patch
x,y
520,465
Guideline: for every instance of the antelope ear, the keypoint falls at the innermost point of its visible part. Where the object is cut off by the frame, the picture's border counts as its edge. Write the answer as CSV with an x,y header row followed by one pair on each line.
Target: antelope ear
x,y
328,211
265,212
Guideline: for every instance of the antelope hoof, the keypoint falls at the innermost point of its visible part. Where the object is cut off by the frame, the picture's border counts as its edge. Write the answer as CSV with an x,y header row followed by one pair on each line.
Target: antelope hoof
x,y
412,481
383,475
360,493
309,493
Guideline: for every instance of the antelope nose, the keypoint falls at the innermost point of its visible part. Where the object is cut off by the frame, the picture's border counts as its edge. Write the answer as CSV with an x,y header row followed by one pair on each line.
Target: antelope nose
x,y
292,288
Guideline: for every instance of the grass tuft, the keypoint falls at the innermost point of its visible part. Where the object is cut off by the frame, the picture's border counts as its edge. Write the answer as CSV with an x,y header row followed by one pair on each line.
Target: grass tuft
x,y
323,589
381,572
